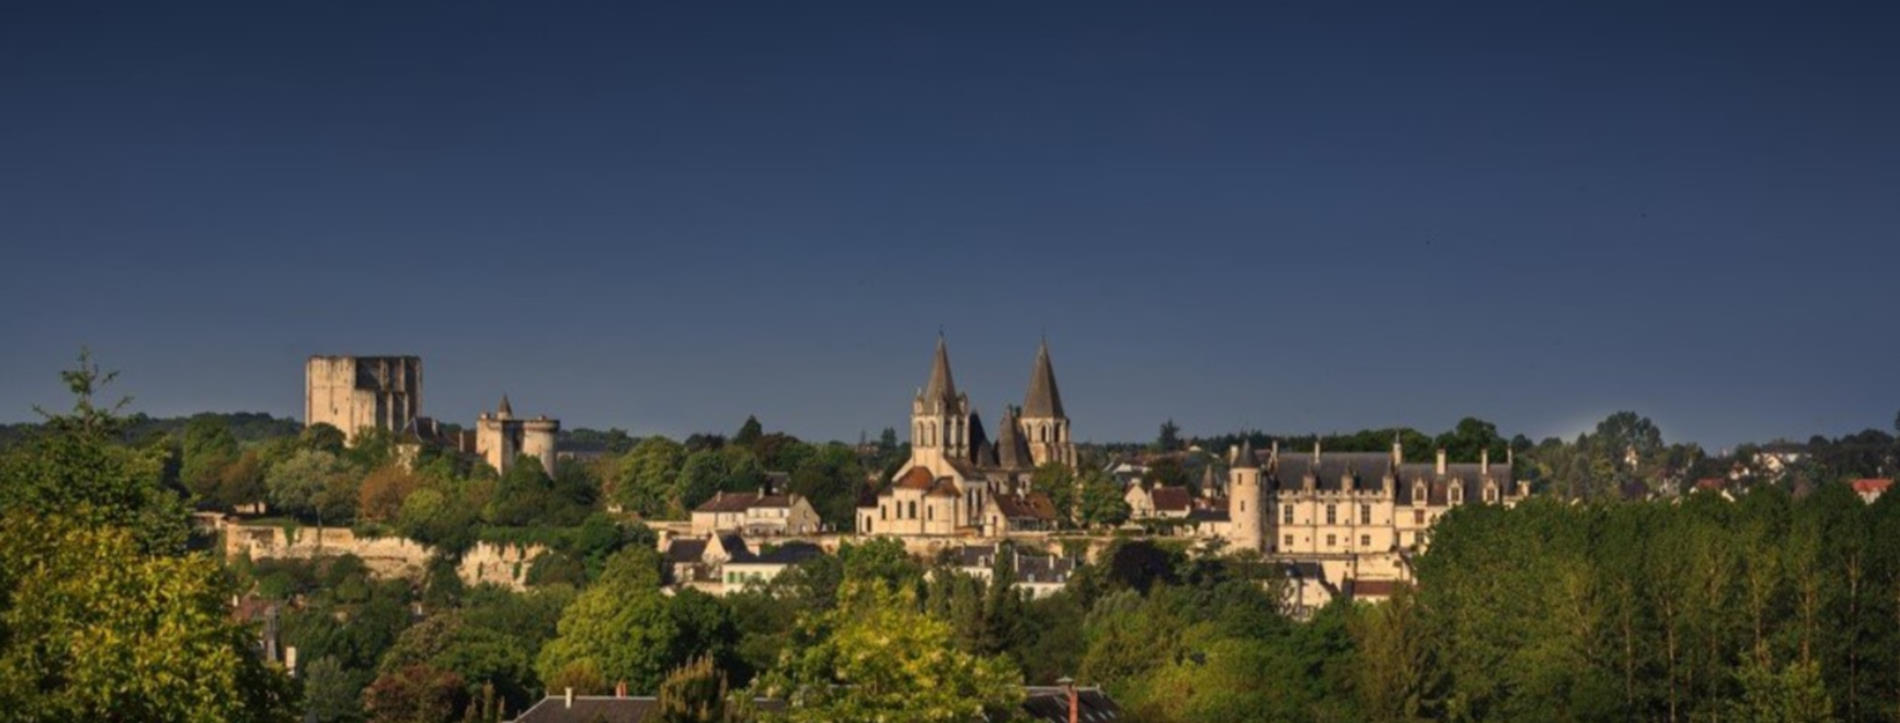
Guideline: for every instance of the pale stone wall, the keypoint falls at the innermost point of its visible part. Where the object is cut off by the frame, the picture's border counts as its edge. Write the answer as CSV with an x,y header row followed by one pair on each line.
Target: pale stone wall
x,y
386,557
351,393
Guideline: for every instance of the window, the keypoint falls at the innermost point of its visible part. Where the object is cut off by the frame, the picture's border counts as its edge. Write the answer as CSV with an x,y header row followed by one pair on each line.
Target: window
x,y
930,512
1457,494
1332,540
1418,517
913,510
1365,541
1289,541
1365,514
867,524
1490,494
1243,505
1286,514
882,512
1332,514
1418,494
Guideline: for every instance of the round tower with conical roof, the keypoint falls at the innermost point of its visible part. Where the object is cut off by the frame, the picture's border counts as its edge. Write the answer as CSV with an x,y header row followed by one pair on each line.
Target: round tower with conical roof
x,y
1246,506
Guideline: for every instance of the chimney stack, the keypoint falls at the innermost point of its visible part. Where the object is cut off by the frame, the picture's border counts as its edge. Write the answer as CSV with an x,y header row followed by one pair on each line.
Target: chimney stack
x,y
1441,462
620,689
1484,461
568,698
1068,686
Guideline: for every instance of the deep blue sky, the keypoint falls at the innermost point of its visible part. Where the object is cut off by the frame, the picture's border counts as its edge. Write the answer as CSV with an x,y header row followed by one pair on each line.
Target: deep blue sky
x,y
1299,219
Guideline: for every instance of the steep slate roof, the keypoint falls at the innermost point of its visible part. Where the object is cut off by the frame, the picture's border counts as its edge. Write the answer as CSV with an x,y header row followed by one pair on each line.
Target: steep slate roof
x,y
1044,399
685,550
942,388
790,553
1012,449
506,409
1051,703
742,501
1208,514
608,709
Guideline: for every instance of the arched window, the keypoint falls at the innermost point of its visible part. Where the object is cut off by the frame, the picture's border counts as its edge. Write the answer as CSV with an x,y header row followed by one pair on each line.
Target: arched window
x,y
913,510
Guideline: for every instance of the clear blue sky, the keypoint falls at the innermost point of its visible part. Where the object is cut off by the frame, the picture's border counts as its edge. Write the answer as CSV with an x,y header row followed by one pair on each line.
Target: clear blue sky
x,y
1315,218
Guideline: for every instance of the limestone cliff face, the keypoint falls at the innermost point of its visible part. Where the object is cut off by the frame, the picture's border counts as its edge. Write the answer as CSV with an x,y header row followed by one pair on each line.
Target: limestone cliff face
x,y
386,557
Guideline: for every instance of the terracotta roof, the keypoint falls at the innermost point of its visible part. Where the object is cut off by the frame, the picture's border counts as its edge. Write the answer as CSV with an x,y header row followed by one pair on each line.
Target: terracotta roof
x,y
918,478
1172,499
1034,505
1371,588
944,488
1872,484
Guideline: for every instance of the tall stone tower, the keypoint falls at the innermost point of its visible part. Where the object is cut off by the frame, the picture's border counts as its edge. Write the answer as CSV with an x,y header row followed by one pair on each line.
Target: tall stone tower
x,y
1246,506
1043,422
354,392
500,437
940,418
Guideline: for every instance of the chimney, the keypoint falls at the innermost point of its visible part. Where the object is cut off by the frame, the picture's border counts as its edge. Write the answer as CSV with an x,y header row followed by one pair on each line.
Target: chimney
x,y
1441,462
290,659
1068,686
1316,452
568,698
1484,461
620,689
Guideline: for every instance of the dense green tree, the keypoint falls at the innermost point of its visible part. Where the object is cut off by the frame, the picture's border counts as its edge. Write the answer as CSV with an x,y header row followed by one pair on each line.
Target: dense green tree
x,y
74,466
644,478
622,629
305,483
208,448
416,693
145,637
876,656
1101,500
1058,481
749,433
694,693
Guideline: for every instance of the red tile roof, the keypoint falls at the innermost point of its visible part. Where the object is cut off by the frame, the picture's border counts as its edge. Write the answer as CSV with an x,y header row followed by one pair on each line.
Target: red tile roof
x,y
918,478
1172,499
1872,484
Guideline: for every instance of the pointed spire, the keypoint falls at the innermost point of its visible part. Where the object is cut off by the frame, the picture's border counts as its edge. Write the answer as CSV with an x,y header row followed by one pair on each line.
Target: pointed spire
x,y
941,387
1245,458
506,409
1044,399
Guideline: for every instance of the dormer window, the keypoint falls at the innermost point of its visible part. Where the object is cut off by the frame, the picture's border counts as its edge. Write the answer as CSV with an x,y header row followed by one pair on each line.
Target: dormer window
x,y
1490,493
1418,493
1457,493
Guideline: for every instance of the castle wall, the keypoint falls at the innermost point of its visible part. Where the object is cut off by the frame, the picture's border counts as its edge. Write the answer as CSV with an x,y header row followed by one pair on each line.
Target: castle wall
x,y
351,393
386,557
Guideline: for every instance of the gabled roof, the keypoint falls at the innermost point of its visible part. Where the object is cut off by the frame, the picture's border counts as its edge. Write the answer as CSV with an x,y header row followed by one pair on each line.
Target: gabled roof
x,y
742,501
685,550
943,487
1043,399
1034,505
1172,499
1050,703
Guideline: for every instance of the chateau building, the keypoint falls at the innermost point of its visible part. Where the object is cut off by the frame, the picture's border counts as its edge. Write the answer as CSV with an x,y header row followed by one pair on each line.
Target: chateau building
x,y
1358,515
960,481
500,437
354,392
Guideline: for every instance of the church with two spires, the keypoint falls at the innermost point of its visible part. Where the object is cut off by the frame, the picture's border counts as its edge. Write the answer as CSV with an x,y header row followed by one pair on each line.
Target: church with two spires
x,y
959,479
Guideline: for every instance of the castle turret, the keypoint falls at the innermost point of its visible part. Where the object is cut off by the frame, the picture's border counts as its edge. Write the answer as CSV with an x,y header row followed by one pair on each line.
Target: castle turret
x,y
1246,506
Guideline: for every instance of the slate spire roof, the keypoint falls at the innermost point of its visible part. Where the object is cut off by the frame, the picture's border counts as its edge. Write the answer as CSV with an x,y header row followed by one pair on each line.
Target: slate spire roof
x,y
506,409
1044,399
1012,448
941,388
1245,457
